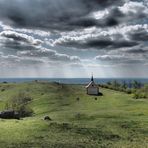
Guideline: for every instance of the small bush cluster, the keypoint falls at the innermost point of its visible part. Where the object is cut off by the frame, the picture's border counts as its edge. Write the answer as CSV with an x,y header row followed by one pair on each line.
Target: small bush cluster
x,y
20,104
141,93
3,89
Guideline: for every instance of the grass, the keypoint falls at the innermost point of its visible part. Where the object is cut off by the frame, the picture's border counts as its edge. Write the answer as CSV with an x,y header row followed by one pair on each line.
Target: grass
x,y
114,120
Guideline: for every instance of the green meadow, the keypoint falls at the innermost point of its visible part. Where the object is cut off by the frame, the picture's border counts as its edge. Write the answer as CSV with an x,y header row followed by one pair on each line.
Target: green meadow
x,y
114,120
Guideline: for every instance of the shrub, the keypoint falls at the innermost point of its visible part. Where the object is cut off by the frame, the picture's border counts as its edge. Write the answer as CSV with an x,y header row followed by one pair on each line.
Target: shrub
x,y
78,99
2,90
24,111
139,95
143,95
128,91
19,103
136,96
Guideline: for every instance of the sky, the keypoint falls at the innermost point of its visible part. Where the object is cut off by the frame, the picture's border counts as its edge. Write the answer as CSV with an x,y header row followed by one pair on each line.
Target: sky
x,y
74,38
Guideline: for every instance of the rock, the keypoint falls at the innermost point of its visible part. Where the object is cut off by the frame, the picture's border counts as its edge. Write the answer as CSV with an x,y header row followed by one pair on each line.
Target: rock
x,y
9,114
100,94
47,118
96,98
78,99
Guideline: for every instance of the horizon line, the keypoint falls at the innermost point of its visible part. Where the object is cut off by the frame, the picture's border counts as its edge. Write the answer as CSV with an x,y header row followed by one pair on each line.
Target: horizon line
x,y
73,77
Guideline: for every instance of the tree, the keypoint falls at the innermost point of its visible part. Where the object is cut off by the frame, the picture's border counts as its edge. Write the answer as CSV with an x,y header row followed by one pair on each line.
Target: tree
x,y
109,83
124,85
136,84
115,84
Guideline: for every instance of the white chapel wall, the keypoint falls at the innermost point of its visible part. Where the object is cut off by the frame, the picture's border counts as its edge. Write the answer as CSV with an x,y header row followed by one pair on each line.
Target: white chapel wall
x,y
92,90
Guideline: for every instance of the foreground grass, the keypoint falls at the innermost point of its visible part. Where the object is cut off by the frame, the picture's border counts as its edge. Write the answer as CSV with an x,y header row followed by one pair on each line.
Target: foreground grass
x,y
113,120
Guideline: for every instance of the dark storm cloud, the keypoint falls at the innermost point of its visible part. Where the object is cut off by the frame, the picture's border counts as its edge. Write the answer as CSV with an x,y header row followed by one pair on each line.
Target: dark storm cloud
x,y
55,14
113,18
129,13
100,42
102,3
15,46
139,35
139,50
109,43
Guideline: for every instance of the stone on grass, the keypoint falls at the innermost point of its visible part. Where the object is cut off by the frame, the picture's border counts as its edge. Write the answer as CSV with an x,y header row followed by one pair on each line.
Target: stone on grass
x,y
47,118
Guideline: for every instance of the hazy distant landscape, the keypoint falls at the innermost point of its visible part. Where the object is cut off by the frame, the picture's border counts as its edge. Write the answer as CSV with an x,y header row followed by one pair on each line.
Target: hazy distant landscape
x,y
75,80
114,120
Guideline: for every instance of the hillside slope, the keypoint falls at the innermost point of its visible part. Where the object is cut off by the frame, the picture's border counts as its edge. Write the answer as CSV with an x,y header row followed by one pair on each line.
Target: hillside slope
x,y
112,120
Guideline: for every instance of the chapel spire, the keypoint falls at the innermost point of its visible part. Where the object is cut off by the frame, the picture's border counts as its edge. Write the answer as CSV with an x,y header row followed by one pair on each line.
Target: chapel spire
x,y
92,77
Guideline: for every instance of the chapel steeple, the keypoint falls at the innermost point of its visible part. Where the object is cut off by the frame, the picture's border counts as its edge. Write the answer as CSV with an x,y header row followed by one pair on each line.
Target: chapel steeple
x,y
92,78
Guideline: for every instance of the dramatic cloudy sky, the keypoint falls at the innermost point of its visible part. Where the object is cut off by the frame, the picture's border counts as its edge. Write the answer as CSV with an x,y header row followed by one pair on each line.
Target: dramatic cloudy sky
x,y
73,38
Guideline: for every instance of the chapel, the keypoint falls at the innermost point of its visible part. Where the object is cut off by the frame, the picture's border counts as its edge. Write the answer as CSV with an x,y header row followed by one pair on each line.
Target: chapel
x,y
92,88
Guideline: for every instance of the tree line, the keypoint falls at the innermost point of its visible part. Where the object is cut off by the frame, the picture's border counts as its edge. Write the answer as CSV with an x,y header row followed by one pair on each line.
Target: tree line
x,y
136,88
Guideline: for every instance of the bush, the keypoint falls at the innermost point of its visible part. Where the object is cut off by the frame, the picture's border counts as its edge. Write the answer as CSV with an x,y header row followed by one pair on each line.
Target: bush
x,y
143,95
128,91
24,111
2,90
139,95
136,96
78,99
19,103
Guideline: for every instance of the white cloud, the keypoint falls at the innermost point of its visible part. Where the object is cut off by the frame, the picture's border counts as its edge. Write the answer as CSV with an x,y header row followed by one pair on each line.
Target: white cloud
x,y
134,8
100,14
20,37
37,32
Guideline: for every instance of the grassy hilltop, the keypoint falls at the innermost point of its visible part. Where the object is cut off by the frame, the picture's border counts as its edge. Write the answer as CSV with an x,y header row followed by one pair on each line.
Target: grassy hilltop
x,y
114,120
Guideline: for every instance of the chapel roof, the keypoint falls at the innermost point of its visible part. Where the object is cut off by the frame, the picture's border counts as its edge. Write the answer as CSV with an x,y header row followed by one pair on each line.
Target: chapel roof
x,y
91,83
